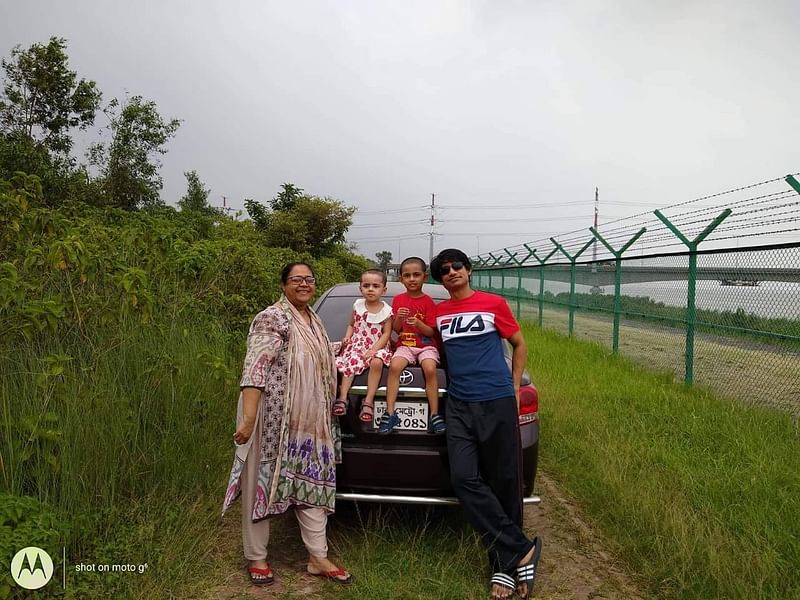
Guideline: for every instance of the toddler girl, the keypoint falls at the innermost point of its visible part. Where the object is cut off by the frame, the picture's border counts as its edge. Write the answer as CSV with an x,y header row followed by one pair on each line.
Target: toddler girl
x,y
365,342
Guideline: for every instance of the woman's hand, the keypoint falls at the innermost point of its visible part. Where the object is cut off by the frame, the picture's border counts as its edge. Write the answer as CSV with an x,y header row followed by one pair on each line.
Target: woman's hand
x,y
243,433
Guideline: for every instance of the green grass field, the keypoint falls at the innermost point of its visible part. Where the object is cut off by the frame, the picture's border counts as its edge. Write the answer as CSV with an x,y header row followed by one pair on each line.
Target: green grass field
x,y
699,495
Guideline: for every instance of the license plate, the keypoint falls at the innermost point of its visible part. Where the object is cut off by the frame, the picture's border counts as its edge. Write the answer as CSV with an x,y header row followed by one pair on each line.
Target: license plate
x,y
413,415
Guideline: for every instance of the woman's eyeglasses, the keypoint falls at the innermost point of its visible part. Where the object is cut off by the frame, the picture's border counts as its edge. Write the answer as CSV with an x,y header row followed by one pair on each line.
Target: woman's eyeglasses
x,y
298,279
456,265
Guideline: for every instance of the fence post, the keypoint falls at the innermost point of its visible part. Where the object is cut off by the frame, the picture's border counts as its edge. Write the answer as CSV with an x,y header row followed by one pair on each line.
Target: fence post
x,y
691,309
572,267
513,257
541,277
617,280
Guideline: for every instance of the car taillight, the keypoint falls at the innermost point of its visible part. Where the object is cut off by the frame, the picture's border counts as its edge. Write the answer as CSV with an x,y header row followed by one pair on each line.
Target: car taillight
x,y
528,404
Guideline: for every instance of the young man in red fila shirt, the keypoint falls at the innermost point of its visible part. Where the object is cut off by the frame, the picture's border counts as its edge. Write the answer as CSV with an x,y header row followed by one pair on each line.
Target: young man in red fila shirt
x,y
415,322
482,420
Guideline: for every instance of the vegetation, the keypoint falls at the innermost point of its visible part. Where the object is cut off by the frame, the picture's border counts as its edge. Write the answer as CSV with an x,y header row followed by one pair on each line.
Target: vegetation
x,y
122,326
693,491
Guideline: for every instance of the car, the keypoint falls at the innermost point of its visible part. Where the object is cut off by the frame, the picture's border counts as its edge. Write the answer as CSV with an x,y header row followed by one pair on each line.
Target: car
x,y
409,466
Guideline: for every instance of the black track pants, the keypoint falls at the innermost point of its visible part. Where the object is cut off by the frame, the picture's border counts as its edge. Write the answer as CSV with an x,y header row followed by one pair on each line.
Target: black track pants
x,y
485,469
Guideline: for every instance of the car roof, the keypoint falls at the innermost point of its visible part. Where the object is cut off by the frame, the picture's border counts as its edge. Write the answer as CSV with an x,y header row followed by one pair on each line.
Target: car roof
x,y
393,288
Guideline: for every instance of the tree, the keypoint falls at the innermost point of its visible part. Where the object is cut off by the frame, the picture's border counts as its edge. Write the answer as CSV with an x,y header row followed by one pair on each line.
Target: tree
x,y
129,165
384,259
305,223
287,198
42,99
196,196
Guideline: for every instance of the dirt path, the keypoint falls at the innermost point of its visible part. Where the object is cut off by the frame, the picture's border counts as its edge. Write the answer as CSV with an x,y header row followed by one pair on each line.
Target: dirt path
x,y
574,563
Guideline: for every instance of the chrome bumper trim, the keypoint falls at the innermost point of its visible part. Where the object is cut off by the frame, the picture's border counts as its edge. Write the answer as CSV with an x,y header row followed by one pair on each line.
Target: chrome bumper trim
x,y
403,392
427,500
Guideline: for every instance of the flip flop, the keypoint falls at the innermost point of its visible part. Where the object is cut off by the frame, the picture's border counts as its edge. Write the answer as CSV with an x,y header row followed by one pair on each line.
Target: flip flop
x,y
261,576
527,573
506,582
339,576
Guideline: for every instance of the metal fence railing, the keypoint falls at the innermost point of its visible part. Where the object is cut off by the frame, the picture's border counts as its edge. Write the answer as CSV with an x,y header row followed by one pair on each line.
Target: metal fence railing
x,y
726,318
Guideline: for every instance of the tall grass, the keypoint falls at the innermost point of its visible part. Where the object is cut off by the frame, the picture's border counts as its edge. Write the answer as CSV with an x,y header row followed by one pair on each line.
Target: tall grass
x,y
125,437
700,494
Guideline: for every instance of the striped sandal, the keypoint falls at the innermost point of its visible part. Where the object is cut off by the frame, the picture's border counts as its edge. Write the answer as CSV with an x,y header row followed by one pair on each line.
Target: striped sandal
x,y
526,574
506,582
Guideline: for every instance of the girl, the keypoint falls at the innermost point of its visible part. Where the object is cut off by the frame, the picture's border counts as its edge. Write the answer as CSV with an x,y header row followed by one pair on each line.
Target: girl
x,y
365,342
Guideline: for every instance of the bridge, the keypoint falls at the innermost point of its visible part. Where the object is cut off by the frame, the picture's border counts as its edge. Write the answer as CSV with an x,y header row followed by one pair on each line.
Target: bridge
x,y
603,274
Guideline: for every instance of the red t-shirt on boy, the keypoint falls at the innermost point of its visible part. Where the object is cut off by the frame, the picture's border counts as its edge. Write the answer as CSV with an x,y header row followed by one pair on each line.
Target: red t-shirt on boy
x,y
422,307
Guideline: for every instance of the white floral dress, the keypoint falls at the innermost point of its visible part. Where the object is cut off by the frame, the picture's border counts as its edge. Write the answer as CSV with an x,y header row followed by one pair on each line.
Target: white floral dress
x,y
367,328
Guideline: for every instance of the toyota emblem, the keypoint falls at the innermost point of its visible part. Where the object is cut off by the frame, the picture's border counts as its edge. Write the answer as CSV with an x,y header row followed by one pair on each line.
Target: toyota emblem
x,y
406,377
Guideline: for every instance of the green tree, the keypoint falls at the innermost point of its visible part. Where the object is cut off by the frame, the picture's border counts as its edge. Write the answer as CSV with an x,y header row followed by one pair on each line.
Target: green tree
x,y
196,196
43,99
287,198
305,223
129,164
384,259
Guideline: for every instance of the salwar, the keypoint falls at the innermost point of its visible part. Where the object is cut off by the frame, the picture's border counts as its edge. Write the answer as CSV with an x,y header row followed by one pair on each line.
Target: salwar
x,y
313,521
485,470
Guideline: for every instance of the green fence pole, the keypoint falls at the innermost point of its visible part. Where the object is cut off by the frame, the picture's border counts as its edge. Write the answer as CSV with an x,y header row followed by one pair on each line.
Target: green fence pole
x,y
617,281
541,277
691,293
513,257
793,182
572,268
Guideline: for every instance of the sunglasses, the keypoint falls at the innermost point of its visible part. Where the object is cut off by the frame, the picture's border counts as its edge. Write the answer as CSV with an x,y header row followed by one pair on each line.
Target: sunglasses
x,y
456,265
298,279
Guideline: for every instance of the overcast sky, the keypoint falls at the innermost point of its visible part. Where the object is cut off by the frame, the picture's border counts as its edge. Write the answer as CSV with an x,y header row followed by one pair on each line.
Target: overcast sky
x,y
486,104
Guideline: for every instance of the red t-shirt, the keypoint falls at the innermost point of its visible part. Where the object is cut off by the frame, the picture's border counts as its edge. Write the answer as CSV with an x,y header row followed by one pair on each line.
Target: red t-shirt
x,y
422,307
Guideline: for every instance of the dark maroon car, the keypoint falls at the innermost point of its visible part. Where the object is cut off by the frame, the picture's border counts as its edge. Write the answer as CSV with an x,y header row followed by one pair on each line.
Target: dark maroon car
x,y
410,465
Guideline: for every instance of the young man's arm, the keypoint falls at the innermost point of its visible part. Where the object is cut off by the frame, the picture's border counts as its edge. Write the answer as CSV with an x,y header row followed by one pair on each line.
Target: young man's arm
x,y
519,357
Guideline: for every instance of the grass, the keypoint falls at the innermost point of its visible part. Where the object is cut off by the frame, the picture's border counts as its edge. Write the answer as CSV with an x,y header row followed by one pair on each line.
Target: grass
x,y
122,436
698,493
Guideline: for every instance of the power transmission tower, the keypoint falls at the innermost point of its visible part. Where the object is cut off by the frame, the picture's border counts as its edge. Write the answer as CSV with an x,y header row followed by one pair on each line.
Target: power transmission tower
x,y
430,245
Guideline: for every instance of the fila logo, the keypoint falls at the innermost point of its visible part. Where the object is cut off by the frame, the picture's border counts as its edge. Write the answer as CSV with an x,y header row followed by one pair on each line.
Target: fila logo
x,y
466,324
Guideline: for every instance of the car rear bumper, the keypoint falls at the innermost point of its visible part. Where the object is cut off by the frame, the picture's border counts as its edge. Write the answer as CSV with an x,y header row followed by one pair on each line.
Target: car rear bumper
x,y
426,500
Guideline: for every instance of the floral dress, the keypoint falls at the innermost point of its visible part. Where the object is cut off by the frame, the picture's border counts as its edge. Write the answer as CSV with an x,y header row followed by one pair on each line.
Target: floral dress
x,y
367,328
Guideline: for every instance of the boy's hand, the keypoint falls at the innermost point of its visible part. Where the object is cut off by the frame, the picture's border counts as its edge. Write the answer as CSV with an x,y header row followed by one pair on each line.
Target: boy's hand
x,y
413,321
402,313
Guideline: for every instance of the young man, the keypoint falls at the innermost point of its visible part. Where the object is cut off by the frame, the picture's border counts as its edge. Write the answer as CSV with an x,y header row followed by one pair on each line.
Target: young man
x,y
482,420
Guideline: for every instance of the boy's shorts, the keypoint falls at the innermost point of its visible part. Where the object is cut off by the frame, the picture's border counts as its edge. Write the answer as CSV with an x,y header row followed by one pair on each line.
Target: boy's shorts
x,y
416,355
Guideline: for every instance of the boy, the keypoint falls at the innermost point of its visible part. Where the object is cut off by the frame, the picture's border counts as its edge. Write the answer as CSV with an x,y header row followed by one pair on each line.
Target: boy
x,y
415,321
483,431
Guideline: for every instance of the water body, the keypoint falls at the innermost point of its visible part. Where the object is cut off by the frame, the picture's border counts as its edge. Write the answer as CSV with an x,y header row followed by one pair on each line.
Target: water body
x,y
777,299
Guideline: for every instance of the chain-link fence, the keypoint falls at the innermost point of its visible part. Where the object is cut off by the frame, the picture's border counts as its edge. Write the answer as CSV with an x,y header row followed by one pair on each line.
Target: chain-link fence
x,y
726,318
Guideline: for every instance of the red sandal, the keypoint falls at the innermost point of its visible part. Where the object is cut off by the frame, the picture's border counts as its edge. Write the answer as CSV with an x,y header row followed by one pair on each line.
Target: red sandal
x,y
261,576
339,576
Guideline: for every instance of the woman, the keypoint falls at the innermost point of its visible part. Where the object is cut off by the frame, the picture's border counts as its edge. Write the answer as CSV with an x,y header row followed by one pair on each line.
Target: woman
x,y
287,443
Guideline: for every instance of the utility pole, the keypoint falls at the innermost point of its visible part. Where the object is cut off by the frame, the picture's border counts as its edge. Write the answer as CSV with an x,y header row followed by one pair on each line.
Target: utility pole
x,y
430,246
596,211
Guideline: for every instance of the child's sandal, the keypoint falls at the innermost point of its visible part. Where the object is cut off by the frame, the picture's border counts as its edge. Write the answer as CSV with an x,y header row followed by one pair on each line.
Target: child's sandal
x,y
366,412
339,408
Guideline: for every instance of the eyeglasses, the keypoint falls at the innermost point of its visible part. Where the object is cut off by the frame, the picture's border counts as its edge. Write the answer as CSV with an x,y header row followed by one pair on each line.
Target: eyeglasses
x,y
456,265
298,279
